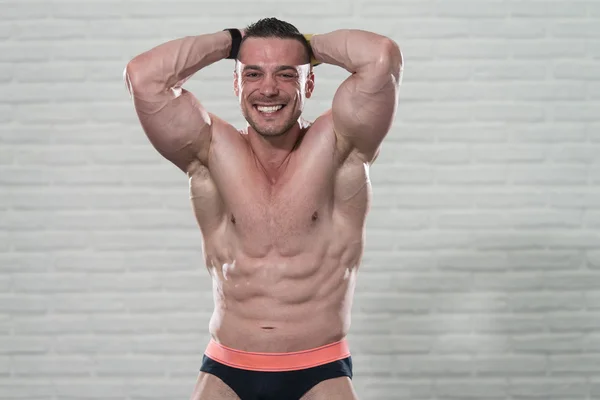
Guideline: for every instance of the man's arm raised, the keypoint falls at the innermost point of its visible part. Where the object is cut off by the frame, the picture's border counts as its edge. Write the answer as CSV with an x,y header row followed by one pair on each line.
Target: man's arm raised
x,y
365,104
173,119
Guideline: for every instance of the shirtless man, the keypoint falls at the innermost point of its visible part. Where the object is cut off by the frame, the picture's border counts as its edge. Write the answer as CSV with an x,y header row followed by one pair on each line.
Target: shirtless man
x,y
281,205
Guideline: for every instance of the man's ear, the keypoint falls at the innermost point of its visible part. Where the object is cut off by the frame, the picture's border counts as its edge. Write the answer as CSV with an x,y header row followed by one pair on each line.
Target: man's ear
x,y
310,84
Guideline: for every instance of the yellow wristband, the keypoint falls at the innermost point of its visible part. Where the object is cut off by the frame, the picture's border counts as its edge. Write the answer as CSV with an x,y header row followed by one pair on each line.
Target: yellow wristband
x,y
313,60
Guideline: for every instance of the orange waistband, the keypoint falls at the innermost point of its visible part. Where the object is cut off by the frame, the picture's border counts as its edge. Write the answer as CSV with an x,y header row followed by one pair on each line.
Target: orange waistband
x,y
270,362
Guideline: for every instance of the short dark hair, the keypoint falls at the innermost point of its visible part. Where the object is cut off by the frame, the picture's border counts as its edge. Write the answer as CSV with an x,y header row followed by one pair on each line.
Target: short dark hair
x,y
275,28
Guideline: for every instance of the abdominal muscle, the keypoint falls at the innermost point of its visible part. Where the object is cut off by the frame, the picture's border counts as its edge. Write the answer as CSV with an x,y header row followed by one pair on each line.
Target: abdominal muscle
x,y
283,304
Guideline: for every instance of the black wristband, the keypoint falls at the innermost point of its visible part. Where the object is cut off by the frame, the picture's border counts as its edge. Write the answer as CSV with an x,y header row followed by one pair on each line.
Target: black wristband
x,y
236,40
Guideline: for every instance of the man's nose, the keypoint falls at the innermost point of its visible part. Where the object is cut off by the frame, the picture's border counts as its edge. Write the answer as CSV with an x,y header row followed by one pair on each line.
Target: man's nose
x,y
268,87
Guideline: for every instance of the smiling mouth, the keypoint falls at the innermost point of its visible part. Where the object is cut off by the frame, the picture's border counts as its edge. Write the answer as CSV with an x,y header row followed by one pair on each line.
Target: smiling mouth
x,y
269,110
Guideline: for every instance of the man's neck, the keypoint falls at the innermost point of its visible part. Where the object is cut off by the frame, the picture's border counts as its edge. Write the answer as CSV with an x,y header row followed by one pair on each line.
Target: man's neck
x,y
272,153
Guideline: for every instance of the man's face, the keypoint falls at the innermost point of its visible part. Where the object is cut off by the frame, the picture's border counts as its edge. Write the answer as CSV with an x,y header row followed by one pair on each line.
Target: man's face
x,y
272,81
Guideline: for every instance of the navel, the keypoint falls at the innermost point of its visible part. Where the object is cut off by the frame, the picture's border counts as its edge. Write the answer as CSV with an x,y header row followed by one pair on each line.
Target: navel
x,y
315,216
233,219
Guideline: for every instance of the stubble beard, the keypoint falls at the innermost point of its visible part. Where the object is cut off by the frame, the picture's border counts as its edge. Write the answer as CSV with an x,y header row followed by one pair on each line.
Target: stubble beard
x,y
271,131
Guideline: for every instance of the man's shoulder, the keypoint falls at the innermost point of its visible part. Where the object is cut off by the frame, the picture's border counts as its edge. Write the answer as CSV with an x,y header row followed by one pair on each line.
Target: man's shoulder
x,y
323,121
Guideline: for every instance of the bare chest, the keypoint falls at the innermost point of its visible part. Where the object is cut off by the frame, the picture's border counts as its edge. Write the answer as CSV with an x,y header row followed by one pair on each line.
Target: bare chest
x,y
237,203
281,216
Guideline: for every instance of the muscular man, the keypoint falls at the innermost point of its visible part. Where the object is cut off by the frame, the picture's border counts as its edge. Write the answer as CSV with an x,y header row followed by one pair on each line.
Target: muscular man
x,y
281,204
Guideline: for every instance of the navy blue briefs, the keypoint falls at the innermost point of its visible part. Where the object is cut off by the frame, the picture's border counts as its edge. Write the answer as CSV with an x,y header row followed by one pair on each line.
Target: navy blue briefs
x,y
276,376
281,385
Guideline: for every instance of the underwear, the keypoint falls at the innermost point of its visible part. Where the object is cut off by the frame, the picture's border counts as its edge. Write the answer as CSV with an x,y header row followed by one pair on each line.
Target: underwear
x,y
276,376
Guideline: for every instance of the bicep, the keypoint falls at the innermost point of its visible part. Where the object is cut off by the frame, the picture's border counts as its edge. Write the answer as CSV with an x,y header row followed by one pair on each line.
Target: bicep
x,y
364,107
176,124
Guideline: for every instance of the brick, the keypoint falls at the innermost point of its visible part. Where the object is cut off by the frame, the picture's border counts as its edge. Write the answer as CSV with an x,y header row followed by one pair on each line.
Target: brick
x,y
500,153
559,175
25,389
555,132
546,344
470,303
481,389
494,27
13,52
582,70
507,324
403,175
547,303
427,29
392,304
515,282
471,344
51,366
168,345
91,389
456,261
44,241
25,345
576,198
546,260
555,50
472,49
4,366
394,388
466,175
573,322
403,261
398,219
148,322
129,366
146,261
548,8
593,48
387,8
505,112
73,344
433,71
19,303
578,29
439,366
15,10
21,262
573,154
584,112
49,283
433,324
466,9
571,281
593,259
48,30
160,388
91,10
508,70
5,30
525,220
549,389
510,365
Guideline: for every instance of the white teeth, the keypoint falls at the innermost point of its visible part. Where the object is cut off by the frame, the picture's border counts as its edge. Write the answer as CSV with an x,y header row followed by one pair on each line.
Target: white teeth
x,y
269,109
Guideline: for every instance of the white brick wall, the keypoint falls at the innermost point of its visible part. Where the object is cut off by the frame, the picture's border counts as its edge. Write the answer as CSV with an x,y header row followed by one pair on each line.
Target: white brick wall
x,y
481,278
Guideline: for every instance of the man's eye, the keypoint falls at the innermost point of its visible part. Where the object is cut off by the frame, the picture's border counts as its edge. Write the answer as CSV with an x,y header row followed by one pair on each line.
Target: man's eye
x,y
289,76
252,75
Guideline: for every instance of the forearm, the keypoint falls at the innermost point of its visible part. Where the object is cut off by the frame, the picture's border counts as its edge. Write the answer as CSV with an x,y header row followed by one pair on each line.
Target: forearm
x,y
172,63
356,51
